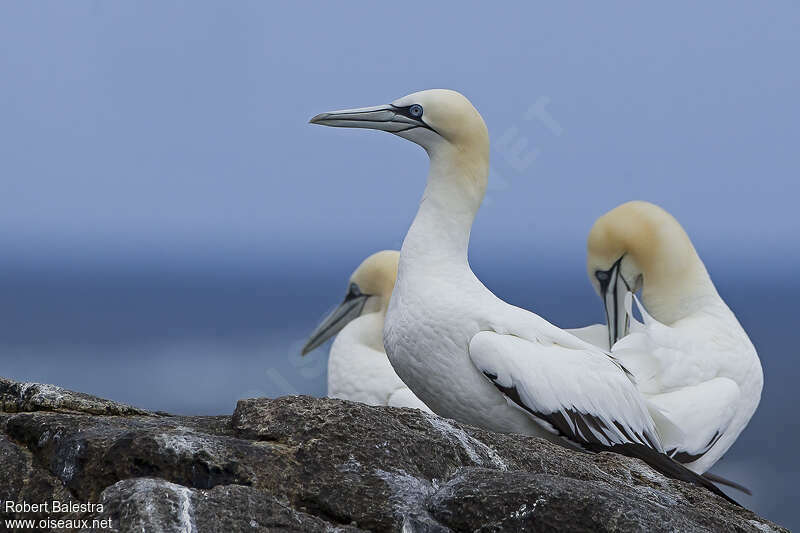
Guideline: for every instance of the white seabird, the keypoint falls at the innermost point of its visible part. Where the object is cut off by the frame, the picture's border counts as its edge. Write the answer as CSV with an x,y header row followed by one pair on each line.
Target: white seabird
x,y
358,368
691,358
467,354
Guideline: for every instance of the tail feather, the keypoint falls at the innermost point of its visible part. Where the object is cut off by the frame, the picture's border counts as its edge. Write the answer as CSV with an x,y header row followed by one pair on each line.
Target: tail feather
x,y
665,465
727,482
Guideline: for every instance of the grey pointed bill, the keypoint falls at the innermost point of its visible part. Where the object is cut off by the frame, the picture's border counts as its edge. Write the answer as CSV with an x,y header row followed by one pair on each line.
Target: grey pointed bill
x,y
382,117
614,290
349,309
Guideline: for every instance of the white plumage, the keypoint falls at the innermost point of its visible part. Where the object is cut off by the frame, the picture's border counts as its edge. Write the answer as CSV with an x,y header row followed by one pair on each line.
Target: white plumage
x,y
698,368
701,372
358,369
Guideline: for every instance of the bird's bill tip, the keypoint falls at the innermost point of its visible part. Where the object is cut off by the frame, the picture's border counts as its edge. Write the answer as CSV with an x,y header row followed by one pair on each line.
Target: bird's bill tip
x,y
319,119
317,339
334,322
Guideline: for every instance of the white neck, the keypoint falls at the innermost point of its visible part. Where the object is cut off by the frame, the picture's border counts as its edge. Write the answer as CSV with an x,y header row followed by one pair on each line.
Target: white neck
x,y
366,329
440,232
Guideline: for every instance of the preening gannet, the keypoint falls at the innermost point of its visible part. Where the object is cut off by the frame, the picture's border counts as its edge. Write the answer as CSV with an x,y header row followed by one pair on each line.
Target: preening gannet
x,y
467,354
691,358
358,368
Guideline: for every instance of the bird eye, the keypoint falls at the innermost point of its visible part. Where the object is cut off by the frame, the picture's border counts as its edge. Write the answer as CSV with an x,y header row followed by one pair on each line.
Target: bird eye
x,y
415,110
353,292
601,275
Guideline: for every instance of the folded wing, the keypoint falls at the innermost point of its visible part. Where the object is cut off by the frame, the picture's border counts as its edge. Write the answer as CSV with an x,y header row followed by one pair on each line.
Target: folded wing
x,y
581,395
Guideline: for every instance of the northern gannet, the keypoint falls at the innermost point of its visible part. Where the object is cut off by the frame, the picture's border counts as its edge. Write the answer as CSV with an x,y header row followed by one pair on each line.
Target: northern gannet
x,y
469,355
691,358
358,368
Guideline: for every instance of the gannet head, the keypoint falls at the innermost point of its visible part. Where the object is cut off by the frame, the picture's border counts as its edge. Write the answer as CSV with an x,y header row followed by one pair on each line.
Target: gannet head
x,y
433,119
368,291
639,245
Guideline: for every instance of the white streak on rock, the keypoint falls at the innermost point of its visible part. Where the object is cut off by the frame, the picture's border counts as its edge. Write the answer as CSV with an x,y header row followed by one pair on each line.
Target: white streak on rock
x,y
151,495
185,443
408,495
184,509
70,462
47,392
762,527
468,442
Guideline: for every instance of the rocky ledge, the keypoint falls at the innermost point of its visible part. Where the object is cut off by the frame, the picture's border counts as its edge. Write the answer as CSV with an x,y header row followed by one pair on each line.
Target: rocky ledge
x,y
308,464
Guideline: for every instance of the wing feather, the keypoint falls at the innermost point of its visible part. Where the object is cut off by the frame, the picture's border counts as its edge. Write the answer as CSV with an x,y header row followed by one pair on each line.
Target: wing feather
x,y
582,395
677,373
579,393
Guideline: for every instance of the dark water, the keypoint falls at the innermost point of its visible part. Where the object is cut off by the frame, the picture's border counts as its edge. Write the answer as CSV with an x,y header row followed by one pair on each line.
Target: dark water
x,y
194,343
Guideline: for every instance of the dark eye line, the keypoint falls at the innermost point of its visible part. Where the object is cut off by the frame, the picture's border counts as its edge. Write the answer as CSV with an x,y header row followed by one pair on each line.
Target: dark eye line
x,y
353,292
406,111
604,276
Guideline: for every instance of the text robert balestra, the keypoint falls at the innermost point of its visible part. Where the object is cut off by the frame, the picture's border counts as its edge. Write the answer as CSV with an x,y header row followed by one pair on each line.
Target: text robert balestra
x,y
53,506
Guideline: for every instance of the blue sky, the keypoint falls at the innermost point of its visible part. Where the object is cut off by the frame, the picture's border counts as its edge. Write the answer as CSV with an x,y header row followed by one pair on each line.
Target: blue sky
x,y
177,131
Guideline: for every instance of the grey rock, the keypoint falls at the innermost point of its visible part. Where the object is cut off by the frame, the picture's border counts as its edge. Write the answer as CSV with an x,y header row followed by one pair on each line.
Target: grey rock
x,y
152,504
18,397
307,464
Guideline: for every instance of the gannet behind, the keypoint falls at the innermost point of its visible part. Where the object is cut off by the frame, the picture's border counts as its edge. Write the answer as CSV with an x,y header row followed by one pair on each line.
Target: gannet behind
x,y
358,368
467,354
691,357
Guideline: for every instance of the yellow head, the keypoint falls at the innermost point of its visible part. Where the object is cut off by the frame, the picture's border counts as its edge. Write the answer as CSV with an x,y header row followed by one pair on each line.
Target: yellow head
x,y
427,118
639,245
375,278
442,121
369,291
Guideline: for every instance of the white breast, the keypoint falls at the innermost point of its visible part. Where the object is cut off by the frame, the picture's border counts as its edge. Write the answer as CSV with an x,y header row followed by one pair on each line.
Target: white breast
x,y
427,333
359,371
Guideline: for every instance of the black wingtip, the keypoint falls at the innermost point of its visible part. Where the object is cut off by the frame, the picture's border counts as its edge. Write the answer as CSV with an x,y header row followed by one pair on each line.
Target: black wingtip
x,y
669,467
659,461
719,480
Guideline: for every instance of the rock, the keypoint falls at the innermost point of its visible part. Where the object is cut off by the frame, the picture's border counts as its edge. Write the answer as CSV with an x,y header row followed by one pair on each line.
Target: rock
x,y
19,397
306,464
148,504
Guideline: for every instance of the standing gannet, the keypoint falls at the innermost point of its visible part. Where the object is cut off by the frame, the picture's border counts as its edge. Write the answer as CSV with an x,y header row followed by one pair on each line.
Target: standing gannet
x,y
691,358
467,354
358,368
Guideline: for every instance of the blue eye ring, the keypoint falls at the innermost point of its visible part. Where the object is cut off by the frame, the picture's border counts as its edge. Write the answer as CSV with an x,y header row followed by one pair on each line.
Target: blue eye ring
x,y
415,110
